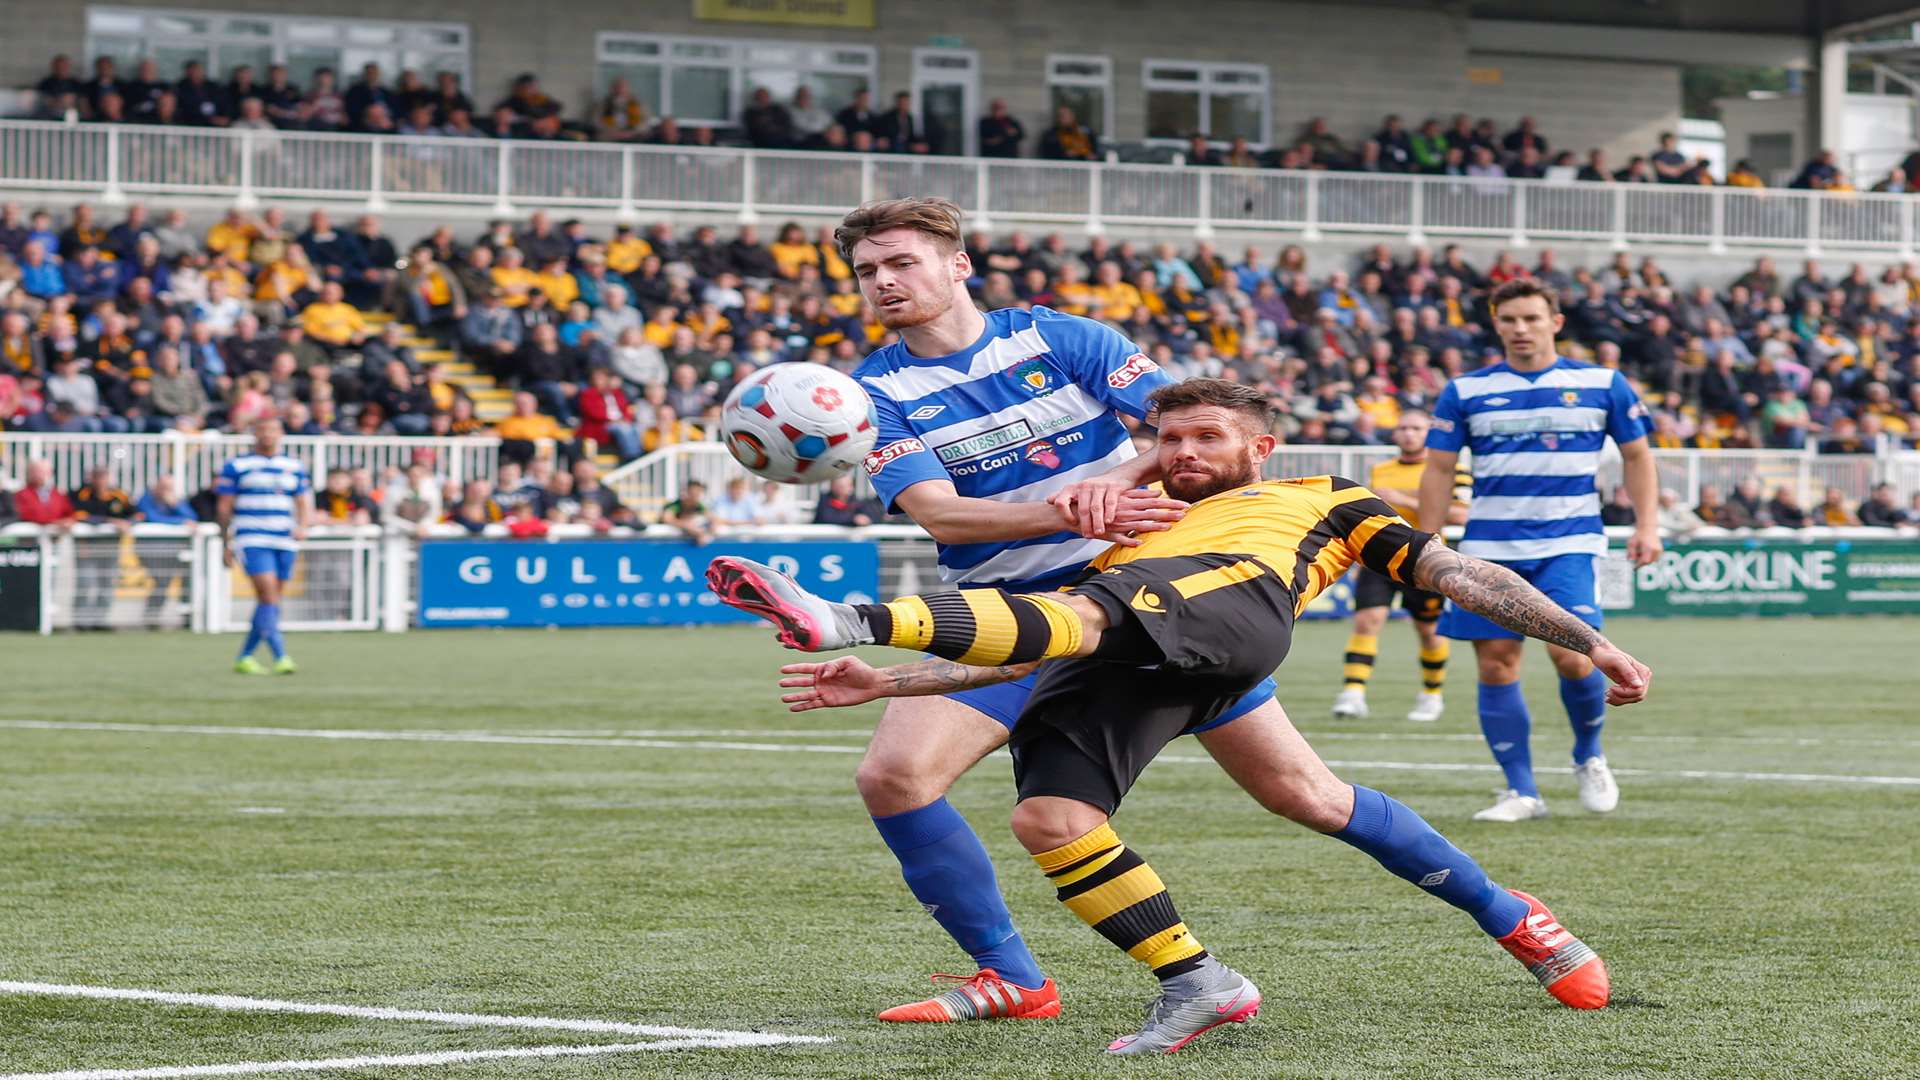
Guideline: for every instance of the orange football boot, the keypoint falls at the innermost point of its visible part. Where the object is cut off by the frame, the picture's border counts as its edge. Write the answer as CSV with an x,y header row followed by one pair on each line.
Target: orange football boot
x,y
984,995
1571,971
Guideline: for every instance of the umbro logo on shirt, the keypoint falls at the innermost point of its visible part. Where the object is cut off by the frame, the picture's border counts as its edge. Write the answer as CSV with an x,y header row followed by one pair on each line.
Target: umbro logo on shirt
x,y
926,412
1497,401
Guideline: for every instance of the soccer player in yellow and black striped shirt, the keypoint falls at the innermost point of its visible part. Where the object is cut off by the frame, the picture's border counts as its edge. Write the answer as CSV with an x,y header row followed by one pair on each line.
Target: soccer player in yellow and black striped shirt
x,y
1155,640
1397,482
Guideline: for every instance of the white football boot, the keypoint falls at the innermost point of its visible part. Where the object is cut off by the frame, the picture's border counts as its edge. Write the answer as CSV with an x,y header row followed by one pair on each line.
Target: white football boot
x,y
1351,704
1427,707
1514,806
1598,792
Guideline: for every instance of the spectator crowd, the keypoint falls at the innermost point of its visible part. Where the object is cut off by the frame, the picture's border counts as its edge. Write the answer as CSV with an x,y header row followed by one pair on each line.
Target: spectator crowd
x,y
626,341
410,105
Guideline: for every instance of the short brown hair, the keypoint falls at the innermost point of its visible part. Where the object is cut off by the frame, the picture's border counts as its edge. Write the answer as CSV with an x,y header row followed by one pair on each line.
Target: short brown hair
x,y
937,219
1520,289
1235,397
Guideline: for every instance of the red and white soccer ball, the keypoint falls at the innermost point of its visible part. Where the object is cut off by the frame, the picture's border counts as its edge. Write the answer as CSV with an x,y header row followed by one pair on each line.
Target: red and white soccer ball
x,y
798,423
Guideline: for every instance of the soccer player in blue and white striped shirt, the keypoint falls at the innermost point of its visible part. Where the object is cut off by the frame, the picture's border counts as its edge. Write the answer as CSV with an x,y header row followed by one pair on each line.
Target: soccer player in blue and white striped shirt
x,y
1535,425
265,502
1001,434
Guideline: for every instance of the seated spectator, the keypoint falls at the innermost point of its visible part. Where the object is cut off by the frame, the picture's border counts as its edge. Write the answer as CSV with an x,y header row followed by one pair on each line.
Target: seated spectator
x,y
738,505
38,502
41,276
176,394
526,427
1619,509
403,403
768,124
668,429
1524,137
1000,133
1743,175
332,323
1483,165
1745,508
477,508
839,505
426,293
528,100
1818,174
339,504
1834,511
550,370
367,92
1325,145
689,514
1785,511
1882,509
1676,521
323,108
1067,139
606,417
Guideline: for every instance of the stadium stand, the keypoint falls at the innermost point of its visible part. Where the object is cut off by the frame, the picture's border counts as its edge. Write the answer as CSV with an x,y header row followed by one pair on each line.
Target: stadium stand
x,y
252,100
604,347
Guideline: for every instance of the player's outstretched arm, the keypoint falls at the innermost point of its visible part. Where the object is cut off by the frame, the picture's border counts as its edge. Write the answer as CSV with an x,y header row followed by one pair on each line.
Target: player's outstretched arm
x,y
848,680
1499,594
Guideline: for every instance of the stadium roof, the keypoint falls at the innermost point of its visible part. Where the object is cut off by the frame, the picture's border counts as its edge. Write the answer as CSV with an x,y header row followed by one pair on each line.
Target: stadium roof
x,y
1803,17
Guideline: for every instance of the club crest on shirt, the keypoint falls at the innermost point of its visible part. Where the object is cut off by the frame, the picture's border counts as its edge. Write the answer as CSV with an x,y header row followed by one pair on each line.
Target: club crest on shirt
x,y
1569,398
1032,376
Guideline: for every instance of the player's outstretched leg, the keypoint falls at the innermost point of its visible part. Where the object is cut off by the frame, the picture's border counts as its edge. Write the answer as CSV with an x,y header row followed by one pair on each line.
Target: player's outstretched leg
x,y
1411,849
972,626
1110,888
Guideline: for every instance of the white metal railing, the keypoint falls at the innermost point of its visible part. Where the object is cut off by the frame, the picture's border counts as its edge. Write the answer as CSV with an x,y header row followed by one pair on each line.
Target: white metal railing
x,y
650,482
194,461
508,177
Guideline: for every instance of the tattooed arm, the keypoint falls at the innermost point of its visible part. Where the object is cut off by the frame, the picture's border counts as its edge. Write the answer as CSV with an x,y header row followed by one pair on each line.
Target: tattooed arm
x,y
1502,596
848,680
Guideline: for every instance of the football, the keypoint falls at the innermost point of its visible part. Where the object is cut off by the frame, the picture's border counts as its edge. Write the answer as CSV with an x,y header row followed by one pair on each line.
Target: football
x,y
798,423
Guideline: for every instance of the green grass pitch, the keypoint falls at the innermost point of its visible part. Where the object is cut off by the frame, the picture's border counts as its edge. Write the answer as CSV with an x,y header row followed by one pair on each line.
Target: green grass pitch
x,y
1755,925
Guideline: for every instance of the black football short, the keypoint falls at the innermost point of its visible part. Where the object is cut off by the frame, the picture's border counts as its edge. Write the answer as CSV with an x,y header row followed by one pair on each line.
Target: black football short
x,y
1188,636
1374,589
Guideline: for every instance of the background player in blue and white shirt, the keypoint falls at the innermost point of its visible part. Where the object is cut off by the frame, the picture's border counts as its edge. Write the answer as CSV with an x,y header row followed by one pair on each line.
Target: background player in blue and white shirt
x,y
1000,433
1535,425
265,502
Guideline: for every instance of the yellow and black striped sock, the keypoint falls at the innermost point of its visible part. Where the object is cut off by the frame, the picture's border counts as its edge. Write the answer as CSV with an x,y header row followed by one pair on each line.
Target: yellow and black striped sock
x,y
1362,650
977,626
1433,666
1114,891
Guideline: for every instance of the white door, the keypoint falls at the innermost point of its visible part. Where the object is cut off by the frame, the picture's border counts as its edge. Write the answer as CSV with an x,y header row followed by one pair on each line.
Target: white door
x,y
946,98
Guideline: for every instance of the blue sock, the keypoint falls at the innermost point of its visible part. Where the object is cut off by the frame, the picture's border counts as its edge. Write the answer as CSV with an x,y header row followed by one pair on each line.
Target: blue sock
x,y
1505,723
1586,702
1409,848
269,616
253,635
947,868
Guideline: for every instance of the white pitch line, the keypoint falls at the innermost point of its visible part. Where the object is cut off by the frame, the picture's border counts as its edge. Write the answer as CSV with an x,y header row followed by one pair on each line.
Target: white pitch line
x,y
1714,738
236,1003
1662,774
381,735
697,733
445,1057
389,735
